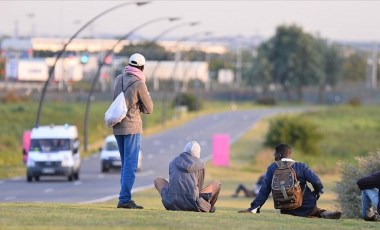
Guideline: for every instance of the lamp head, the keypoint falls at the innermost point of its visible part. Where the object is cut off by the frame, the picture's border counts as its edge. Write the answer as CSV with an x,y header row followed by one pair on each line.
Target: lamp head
x,y
174,19
142,3
194,23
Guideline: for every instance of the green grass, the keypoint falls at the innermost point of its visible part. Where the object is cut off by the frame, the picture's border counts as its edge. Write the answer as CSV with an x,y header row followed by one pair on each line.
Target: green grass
x,y
348,132
154,216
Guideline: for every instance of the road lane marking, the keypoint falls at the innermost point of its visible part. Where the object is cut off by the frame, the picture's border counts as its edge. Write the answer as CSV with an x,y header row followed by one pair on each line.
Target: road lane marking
x,y
101,176
106,198
16,178
145,173
48,190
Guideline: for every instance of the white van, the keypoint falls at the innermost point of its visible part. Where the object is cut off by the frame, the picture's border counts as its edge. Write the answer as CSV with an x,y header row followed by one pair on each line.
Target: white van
x,y
54,150
110,156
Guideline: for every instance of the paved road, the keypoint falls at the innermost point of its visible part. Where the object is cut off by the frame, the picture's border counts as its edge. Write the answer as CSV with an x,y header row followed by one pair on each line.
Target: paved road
x,y
158,150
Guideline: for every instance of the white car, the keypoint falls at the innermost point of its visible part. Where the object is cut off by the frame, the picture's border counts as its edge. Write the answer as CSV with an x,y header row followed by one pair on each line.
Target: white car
x,y
110,156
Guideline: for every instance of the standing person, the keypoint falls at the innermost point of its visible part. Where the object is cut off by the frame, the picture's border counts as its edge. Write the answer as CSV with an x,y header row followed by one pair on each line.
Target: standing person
x,y
184,191
247,192
128,131
309,208
370,187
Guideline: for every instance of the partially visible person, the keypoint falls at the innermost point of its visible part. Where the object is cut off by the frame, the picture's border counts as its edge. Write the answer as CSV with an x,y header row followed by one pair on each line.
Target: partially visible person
x,y
250,192
370,187
128,131
184,191
309,208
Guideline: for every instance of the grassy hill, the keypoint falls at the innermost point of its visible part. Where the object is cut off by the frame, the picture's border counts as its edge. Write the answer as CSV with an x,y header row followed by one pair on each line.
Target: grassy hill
x,y
106,216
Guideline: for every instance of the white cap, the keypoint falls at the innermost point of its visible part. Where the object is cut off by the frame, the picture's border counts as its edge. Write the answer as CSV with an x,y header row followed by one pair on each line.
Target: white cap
x,y
193,148
137,60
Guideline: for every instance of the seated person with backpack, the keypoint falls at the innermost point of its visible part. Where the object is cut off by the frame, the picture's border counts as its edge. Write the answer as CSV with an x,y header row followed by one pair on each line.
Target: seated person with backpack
x,y
286,179
184,191
247,192
370,188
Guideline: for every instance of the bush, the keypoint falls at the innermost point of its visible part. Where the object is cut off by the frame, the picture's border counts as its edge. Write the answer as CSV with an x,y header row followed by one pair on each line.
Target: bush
x,y
354,101
298,132
266,101
349,195
12,97
189,100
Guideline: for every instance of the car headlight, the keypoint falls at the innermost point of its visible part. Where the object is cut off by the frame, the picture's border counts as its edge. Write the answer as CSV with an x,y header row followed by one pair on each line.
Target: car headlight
x,y
30,162
66,161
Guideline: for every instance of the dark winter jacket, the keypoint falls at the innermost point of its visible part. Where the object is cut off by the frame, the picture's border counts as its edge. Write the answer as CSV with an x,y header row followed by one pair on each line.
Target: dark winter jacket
x,y
370,182
304,174
186,177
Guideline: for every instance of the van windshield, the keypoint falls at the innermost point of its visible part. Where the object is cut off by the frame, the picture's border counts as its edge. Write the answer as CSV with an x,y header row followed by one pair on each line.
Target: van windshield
x,y
111,146
50,145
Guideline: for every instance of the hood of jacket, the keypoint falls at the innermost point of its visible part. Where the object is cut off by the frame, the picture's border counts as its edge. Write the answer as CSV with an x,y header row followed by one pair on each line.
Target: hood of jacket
x,y
186,162
135,72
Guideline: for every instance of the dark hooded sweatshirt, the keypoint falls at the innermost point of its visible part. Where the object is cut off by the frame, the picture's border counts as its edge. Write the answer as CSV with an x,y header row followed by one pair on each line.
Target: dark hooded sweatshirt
x,y
186,177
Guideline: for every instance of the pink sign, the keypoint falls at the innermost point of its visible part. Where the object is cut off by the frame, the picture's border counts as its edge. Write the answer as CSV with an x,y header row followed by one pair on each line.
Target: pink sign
x,y
221,149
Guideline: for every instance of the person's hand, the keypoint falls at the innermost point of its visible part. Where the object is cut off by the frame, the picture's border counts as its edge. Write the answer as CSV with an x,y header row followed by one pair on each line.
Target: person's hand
x,y
316,194
249,210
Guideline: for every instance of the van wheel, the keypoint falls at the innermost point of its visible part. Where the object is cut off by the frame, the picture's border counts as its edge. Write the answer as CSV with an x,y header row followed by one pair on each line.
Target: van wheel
x,y
37,178
76,176
104,169
29,178
70,177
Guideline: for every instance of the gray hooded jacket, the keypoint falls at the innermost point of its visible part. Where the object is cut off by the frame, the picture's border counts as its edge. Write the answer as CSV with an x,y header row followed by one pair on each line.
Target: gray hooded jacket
x,y
186,177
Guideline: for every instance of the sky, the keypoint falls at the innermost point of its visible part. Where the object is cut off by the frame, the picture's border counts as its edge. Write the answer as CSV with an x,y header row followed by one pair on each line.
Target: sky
x,y
333,20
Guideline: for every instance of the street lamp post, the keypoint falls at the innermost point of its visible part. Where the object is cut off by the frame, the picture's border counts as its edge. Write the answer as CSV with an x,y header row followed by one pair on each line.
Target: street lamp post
x,y
101,63
164,100
155,80
177,57
37,122
189,67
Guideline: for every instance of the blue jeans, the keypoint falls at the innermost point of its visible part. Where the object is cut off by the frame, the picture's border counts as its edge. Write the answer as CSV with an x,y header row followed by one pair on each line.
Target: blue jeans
x,y
370,197
129,147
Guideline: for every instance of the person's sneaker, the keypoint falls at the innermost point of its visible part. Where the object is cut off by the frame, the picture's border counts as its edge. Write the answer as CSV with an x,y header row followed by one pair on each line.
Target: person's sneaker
x,y
130,205
374,217
331,215
245,211
213,209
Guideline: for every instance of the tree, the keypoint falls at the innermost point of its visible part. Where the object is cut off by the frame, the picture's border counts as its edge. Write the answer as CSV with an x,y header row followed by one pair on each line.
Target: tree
x,y
332,65
354,67
261,69
295,59
152,51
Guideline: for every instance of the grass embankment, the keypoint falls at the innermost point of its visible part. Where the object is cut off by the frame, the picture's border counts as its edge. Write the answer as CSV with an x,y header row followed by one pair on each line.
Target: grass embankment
x,y
241,170
17,117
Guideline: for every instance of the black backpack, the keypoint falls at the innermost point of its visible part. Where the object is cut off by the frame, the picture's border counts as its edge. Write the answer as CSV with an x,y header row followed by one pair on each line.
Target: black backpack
x,y
286,189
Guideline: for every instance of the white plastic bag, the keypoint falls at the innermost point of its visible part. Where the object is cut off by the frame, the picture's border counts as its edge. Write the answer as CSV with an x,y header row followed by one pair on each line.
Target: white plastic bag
x,y
117,111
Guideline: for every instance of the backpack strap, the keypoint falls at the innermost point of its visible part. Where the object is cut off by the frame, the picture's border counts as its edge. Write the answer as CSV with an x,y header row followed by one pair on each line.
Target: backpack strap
x,y
284,164
122,83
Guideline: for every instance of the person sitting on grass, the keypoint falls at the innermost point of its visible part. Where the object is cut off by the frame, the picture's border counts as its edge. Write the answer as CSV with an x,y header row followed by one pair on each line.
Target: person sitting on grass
x,y
370,187
250,193
309,208
184,191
